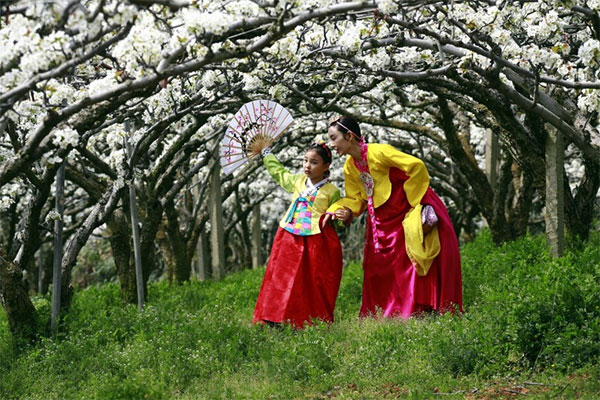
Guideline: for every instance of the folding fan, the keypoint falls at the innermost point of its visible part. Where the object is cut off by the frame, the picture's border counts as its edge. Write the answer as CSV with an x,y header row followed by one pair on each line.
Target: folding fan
x,y
255,126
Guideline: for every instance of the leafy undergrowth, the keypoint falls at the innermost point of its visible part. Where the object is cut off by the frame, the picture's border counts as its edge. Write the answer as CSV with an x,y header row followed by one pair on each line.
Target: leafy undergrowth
x,y
531,328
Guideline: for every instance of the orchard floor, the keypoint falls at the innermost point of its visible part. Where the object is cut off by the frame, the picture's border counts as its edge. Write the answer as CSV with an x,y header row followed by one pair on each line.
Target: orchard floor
x,y
531,329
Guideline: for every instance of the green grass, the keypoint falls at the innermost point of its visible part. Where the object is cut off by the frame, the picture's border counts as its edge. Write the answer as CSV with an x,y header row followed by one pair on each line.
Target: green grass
x,y
531,326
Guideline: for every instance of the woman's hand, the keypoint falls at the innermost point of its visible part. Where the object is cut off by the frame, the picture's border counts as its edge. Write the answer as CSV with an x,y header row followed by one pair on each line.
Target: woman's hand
x,y
428,219
345,215
427,227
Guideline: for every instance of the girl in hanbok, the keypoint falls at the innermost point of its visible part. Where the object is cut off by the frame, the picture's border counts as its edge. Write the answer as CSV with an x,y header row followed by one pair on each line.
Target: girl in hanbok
x,y
303,274
411,259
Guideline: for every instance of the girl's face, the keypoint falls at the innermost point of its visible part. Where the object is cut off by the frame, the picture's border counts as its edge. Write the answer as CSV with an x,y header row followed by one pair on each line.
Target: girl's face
x,y
338,141
314,167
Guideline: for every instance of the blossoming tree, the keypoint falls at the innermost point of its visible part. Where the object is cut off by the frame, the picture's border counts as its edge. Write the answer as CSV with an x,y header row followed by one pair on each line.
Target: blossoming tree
x,y
437,79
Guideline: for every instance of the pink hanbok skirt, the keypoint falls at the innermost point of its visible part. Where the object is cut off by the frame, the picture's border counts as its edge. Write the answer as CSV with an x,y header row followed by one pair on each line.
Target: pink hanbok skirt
x,y
391,285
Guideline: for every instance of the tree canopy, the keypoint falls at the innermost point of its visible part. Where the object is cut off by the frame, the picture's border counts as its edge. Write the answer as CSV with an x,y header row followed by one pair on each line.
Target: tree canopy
x,y
437,79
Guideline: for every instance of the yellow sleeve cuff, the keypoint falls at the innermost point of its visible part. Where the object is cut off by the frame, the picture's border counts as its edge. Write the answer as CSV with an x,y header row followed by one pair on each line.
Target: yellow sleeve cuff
x,y
421,250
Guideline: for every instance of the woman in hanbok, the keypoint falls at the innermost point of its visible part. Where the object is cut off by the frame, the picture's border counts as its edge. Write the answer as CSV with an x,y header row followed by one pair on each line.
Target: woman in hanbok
x,y
411,261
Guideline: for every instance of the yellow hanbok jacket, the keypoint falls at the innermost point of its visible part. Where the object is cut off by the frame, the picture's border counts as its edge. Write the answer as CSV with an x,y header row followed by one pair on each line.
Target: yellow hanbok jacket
x,y
295,184
381,157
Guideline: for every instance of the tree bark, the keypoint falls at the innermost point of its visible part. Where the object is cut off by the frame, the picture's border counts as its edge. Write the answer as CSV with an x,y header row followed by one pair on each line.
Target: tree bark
x,y
21,314
492,154
579,209
97,217
555,206
216,224
520,207
178,245
202,256
150,224
477,178
58,248
119,236
256,237
166,252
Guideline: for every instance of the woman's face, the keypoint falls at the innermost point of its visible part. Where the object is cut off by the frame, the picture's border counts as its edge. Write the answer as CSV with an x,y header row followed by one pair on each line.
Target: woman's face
x,y
338,141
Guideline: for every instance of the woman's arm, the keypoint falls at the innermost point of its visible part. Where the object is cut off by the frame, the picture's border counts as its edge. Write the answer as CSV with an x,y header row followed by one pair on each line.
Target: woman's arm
x,y
353,199
418,178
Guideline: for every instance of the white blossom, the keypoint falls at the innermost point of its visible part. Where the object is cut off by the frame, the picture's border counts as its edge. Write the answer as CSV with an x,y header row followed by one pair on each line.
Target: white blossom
x,y
65,137
279,91
251,82
589,100
52,216
589,53
593,4
377,59
244,8
207,22
387,6
350,40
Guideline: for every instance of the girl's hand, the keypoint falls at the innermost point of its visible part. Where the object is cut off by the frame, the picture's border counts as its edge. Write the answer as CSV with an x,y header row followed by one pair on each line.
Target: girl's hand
x,y
325,219
266,151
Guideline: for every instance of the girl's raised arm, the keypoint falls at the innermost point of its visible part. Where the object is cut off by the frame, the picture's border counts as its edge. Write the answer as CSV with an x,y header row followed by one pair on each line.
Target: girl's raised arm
x,y
279,173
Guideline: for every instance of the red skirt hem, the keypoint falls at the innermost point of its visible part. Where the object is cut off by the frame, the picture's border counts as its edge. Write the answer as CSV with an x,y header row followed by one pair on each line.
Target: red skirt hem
x,y
302,279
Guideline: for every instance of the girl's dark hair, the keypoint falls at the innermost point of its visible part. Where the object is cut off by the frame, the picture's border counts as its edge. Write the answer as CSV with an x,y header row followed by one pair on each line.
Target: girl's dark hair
x,y
346,124
322,150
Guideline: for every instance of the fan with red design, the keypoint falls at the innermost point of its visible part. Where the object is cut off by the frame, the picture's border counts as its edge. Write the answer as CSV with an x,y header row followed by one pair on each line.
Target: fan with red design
x,y
255,126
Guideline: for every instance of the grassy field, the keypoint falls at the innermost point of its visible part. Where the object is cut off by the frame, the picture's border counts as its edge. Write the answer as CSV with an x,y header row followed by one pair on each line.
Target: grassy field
x,y
531,329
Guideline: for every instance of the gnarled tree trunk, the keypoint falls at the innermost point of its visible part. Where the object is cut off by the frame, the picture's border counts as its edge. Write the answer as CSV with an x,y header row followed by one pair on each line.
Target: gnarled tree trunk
x,y
119,236
579,208
20,312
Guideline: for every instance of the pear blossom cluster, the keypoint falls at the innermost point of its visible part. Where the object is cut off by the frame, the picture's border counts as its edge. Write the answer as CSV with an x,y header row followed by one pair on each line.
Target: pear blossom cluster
x,y
76,83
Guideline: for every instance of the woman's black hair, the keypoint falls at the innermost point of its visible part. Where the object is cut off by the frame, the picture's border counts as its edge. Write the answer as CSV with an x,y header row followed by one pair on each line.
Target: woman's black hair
x,y
322,150
346,124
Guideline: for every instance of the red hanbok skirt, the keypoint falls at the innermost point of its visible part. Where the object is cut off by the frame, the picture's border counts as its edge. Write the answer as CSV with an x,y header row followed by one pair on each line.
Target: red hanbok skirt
x,y
302,279
391,285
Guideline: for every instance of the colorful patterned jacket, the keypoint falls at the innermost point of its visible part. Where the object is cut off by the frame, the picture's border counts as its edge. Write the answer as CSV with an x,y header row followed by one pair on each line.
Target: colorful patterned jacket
x,y
295,184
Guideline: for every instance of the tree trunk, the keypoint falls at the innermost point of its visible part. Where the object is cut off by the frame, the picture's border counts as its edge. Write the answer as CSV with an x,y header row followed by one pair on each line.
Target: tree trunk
x,y
216,224
95,218
242,247
202,256
47,257
135,228
9,219
119,236
58,248
485,195
499,227
167,253
150,225
20,312
579,209
492,154
256,237
178,245
520,204
555,205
